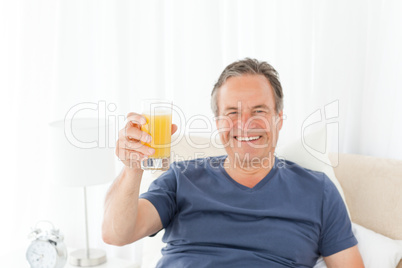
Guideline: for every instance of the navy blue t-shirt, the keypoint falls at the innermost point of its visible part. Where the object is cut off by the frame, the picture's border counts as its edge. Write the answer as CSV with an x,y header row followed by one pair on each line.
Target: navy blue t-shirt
x,y
288,219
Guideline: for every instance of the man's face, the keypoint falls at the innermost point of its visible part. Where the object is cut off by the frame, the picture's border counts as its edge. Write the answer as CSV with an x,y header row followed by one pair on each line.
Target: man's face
x,y
247,122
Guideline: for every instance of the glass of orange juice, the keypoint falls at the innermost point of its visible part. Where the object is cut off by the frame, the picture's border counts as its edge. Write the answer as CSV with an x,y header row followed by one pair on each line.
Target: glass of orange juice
x,y
158,114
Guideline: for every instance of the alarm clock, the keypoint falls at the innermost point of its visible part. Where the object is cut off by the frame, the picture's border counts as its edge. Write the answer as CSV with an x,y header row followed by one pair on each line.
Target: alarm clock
x,y
47,248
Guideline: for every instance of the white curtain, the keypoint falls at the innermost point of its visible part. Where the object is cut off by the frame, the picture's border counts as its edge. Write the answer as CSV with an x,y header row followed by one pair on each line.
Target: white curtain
x,y
55,54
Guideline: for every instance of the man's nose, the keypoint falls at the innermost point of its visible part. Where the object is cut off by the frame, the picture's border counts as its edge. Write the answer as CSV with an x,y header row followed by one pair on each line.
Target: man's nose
x,y
247,120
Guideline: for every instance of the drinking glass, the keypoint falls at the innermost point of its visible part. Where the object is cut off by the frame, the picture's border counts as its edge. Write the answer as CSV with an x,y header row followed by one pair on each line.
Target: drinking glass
x,y
158,113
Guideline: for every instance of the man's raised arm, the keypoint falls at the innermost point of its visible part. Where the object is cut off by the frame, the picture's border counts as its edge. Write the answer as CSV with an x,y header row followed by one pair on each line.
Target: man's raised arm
x,y
126,218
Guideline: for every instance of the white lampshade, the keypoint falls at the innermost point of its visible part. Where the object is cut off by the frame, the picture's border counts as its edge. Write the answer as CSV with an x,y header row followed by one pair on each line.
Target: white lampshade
x,y
79,153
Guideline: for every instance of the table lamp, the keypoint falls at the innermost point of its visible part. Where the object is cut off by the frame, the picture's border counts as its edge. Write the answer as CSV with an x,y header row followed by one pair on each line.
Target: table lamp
x,y
80,159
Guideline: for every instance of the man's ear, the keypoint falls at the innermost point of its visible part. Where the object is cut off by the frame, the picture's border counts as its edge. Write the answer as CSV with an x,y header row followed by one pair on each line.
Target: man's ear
x,y
279,120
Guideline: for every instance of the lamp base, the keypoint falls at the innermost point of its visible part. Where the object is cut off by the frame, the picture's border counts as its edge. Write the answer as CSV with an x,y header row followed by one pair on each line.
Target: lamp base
x,y
82,259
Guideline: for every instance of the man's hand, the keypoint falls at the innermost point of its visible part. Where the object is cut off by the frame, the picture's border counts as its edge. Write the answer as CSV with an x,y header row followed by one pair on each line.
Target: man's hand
x,y
349,258
130,147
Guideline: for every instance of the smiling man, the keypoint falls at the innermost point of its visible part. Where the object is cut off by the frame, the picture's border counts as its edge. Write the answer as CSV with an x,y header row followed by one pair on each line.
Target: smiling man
x,y
249,125
243,209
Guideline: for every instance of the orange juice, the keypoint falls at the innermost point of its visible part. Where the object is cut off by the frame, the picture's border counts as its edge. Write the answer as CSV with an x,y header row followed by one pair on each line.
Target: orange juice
x,y
159,127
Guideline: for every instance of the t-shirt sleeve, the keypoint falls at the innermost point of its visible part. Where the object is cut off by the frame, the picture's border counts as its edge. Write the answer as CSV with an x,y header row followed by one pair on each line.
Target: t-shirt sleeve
x,y
336,232
162,194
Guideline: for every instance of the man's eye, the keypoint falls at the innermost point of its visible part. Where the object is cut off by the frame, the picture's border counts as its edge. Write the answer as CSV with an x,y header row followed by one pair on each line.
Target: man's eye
x,y
232,113
259,111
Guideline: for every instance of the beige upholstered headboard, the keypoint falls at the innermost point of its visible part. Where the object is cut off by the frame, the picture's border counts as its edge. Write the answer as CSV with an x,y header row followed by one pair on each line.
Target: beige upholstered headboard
x,y
373,192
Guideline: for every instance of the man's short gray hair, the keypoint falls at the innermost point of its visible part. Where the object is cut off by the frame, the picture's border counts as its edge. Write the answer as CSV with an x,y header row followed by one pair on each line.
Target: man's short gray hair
x,y
249,67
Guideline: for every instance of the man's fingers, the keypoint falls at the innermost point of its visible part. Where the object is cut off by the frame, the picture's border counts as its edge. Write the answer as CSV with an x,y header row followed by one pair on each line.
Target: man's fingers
x,y
138,146
134,156
136,119
129,156
133,133
174,128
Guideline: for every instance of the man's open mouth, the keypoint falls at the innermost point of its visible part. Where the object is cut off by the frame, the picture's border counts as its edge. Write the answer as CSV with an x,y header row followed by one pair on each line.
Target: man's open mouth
x,y
250,138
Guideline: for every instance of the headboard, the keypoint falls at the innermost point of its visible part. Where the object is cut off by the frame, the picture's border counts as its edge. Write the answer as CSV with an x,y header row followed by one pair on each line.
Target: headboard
x,y
373,192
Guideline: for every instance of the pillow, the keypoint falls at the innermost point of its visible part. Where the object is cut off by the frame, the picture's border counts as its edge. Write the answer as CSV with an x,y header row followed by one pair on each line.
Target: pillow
x,y
302,155
376,250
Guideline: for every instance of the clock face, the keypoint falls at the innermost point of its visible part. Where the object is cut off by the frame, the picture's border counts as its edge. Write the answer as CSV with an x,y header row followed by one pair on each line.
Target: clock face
x,y
42,254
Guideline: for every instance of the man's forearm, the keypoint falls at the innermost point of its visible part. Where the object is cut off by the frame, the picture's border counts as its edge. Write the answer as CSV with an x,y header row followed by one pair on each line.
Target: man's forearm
x,y
121,206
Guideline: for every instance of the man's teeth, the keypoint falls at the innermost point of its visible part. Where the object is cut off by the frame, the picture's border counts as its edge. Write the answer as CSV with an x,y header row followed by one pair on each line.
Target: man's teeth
x,y
247,138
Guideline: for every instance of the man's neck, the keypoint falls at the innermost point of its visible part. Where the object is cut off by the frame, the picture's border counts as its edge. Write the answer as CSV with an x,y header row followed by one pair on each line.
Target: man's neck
x,y
248,173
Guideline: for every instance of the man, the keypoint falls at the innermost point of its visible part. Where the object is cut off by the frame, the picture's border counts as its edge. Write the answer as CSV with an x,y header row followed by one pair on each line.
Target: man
x,y
246,209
